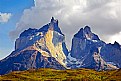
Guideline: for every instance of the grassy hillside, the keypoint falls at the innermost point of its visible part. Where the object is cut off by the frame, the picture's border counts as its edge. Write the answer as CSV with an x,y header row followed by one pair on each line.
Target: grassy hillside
x,y
63,75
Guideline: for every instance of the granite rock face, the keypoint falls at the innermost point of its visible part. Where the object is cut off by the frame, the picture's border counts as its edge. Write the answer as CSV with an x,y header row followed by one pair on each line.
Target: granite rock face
x,y
37,48
83,42
111,53
85,51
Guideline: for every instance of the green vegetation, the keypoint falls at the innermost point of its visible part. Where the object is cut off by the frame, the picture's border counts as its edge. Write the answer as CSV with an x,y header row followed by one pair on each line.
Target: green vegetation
x,y
62,75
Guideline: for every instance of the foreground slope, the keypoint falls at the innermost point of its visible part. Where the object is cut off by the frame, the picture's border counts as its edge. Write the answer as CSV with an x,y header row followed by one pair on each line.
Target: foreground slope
x,y
37,48
59,75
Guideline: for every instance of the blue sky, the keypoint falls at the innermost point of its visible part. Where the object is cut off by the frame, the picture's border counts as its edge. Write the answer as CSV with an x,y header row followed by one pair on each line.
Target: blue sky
x,y
15,8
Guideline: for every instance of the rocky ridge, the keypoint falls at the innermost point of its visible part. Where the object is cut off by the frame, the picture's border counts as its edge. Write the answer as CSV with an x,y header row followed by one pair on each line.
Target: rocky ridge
x,y
46,48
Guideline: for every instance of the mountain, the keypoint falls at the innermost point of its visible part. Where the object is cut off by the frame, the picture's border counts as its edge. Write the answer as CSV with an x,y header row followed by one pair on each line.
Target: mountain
x,y
46,48
37,48
86,51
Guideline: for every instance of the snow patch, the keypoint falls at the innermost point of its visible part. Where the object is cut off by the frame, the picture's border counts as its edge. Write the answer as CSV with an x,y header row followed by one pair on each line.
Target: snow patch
x,y
94,40
71,58
112,63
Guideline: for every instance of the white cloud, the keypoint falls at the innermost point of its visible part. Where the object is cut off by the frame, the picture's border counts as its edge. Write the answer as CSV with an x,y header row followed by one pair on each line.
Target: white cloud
x,y
4,17
102,15
116,37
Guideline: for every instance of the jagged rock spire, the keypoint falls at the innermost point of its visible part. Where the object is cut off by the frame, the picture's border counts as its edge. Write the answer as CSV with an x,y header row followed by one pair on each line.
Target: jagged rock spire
x,y
52,19
54,24
116,45
85,33
87,29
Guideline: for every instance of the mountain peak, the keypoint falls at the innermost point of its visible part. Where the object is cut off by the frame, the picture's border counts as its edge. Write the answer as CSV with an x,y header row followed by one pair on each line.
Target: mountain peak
x,y
116,45
80,33
87,29
54,24
52,19
85,33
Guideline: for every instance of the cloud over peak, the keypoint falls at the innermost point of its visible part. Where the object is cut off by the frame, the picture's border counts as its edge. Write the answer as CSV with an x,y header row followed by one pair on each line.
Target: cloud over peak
x,y
102,15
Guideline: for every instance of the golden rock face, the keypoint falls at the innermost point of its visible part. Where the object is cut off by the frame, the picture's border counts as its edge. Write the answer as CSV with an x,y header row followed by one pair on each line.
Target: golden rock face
x,y
56,51
45,45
